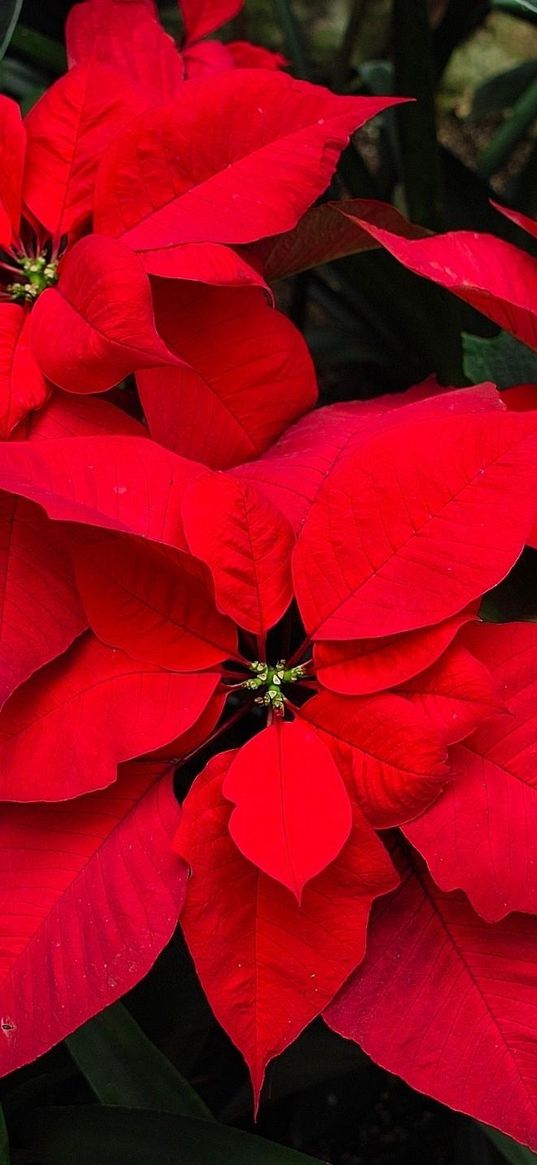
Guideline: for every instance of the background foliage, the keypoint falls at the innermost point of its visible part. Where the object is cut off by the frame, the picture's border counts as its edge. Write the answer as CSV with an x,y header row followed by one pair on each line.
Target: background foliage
x,y
373,327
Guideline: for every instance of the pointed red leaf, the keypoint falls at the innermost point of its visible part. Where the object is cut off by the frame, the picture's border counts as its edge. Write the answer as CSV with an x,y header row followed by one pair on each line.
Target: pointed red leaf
x,y
22,386
245,374
12,153
522,220
362,666
326,233
275,963
64,732
128,38
68,129
457,693
247,546
495,277
97,325
151,602
437,513
272,149
113,481
201,17
390,754
187,743
448,1003
292,812
480,834
292,472
91,892
40,610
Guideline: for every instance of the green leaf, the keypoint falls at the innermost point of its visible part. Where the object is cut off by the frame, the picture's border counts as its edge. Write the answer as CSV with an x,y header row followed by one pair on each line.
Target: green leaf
x,y
289,25
513,1153
525,8
87,1135
42,50
9,15
4,1141
503,359
501,92
499,149
123,1067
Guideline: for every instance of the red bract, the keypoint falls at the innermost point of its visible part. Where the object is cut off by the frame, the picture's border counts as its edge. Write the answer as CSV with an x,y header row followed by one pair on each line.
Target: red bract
x,y
181,573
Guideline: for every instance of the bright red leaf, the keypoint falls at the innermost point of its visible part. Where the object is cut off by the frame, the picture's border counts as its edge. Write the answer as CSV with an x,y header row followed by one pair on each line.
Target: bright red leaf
x,y
40,610
80,416
409,514
272,149
247,545
110,481
22,386
275,963
128,38
457,693
68,129
66,729
495,277
12,154
244,373
202,17
361,666
151,602
480,835
97,325
392,757
448,1003
292,812
91,892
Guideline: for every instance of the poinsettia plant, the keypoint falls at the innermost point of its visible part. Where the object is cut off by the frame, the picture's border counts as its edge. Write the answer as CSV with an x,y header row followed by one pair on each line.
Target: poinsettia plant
x,y
246,682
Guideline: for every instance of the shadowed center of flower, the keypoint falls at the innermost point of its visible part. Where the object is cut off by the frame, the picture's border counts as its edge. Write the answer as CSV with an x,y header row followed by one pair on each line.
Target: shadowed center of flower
x,y
37,273
268,681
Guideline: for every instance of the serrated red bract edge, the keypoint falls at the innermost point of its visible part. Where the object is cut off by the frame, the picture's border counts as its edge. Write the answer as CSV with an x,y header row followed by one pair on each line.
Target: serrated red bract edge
x,y
262,989
91,893
448,1002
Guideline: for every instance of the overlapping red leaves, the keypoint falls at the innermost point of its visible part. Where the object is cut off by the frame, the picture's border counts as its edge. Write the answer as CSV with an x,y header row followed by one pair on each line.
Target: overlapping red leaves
x,y
217,552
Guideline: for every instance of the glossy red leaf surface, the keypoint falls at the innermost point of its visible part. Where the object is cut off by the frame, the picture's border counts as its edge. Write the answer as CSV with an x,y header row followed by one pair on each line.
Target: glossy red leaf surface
x,y
128,38
67,728
211,263
80,416
479,835
151,602
12,154
109,481
272,149
91,892
448,1003
68,129
391,756
247,545
200,17
244,374
438,514
275,963
40,609
292,812
362,666
457,693
97,325
22,386
493,276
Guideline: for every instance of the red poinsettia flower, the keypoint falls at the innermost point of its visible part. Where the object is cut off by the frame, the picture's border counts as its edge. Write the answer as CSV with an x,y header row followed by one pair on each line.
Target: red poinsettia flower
x,y
347,731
